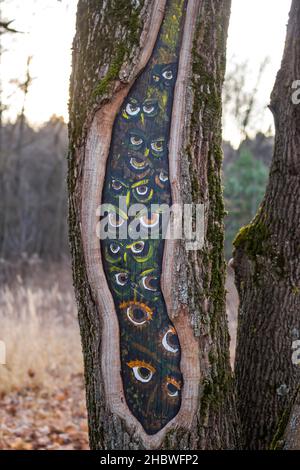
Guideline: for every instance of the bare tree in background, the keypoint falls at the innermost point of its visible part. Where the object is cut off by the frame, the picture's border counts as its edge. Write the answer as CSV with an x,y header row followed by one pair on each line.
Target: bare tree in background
x,y
239,103
5,27
43,197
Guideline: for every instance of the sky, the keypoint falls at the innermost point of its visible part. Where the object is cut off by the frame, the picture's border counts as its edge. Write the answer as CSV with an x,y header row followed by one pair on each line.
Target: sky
x,y
257,31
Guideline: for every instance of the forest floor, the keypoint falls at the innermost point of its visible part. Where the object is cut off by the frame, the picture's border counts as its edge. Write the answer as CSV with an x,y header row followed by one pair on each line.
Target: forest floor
x,y
42,399
37,419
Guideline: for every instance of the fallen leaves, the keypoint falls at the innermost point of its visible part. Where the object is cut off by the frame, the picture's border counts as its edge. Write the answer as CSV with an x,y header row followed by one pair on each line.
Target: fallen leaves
x,y
32,418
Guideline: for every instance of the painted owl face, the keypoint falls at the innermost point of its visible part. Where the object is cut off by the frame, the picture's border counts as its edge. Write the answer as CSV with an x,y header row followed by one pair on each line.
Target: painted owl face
x,y
123,253
154,384
142,285
140,146
163,76
145,224
152,376
139,191
148,224
147,190
134,110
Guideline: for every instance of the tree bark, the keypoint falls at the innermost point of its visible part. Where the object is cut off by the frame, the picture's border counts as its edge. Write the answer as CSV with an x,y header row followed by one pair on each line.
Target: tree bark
x,y
290,440
266,263
113,43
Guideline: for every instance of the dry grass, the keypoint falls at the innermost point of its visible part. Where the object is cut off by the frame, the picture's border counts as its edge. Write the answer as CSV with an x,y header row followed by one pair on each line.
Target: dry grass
x,y
39,327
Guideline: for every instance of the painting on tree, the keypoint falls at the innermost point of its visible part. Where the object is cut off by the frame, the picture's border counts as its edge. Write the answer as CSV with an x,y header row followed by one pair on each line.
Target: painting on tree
x,y
137,172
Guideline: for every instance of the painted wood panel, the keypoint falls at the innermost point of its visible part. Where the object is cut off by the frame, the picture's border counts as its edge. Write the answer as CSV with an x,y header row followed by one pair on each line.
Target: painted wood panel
x,y
138,173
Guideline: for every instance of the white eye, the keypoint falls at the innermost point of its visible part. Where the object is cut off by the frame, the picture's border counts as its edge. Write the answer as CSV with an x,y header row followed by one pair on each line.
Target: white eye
x,y
163,177
115,220
135,140
116,185
138,316
114,248
149,223
142,190
142,374
172,390
137,247
121,279
157,146
148,108
132,109
149,283
167,342
168,75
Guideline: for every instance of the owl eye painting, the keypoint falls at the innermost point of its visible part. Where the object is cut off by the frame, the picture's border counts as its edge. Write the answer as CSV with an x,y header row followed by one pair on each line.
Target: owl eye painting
x,y
164,76
140,285
122,253
151,189
134,110
138,144
138,172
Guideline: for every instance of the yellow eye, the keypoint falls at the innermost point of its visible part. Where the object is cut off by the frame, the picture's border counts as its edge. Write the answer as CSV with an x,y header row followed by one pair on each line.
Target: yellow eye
x,y
136,140
170,341
121,279
138,164
137,247
150,222
173,387
115,220
156,78
116,185
168,74
143,372
157,146
137,312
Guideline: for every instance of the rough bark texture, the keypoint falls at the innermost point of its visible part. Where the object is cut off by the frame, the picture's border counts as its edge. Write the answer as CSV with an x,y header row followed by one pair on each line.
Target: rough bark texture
x,y
108,47
267,270
291,438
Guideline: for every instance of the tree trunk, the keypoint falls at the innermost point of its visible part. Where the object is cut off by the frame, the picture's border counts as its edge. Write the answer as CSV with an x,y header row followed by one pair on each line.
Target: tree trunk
x,y
290,440
266,263
117,45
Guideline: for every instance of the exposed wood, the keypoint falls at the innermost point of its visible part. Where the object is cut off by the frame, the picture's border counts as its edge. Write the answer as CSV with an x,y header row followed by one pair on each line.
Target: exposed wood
x,y
190,351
